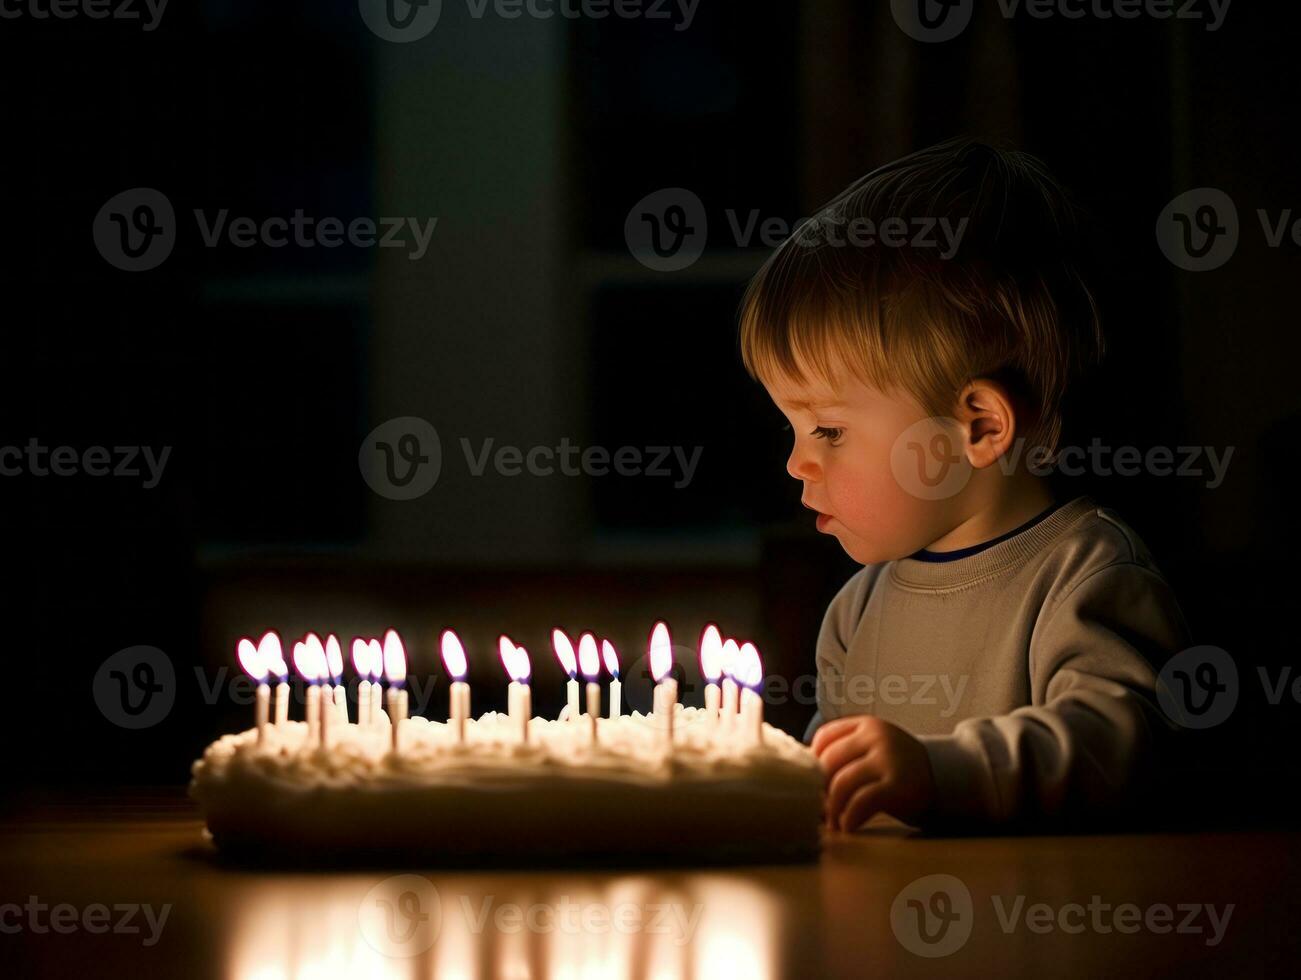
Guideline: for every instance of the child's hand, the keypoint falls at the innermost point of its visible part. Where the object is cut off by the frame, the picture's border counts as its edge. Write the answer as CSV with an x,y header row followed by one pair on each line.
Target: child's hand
x,y
872,767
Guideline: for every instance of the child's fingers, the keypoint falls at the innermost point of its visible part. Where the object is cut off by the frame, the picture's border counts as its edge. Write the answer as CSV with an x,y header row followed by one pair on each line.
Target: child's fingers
x,y
832,730
845,783
842,752
867,801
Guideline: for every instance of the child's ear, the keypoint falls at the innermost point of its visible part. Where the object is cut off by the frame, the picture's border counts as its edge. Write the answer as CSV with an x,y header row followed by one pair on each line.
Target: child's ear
x,y
988,419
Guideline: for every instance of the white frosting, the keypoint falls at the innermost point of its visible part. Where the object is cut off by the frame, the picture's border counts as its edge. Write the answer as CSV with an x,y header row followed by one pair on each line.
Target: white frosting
x,y
713,794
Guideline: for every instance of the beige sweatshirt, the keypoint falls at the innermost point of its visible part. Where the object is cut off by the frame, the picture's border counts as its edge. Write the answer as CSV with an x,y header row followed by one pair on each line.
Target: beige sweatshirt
x,y
1027,669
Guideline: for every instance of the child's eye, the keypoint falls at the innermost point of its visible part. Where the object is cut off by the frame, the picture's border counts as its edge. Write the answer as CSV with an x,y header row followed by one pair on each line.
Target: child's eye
x,y
830,433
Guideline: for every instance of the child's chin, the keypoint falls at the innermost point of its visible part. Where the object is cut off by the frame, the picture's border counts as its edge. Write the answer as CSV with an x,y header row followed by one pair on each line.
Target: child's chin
x,y
865,552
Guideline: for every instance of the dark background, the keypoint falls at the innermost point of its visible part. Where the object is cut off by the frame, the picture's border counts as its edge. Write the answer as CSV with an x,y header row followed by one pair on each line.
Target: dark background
x,y
529,320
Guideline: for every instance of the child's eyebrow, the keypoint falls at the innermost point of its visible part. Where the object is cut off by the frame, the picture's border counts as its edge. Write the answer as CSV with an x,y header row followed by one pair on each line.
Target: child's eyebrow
x,y
805,405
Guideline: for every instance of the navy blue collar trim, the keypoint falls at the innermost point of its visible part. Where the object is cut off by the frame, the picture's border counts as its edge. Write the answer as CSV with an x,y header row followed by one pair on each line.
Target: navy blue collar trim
x,y
975,549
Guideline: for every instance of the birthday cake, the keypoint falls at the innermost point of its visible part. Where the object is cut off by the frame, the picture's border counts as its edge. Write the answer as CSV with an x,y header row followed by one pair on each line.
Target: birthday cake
x,y
480,793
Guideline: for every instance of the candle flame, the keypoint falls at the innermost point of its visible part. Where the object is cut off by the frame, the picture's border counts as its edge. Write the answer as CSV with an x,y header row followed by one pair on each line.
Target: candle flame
x,y
453,654
711,653
272,654
250,658
661,651
564,651
730,653
395,658
515,659
611,657
374,659
316,653
333,657
749,668
360,656
589,660
305,661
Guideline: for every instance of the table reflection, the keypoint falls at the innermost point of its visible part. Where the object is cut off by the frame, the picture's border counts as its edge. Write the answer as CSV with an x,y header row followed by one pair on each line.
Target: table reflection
x,y
466,927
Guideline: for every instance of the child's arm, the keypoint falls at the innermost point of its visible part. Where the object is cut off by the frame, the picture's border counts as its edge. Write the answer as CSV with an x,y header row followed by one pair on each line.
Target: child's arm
x,y
838,626
1085,745
1080,752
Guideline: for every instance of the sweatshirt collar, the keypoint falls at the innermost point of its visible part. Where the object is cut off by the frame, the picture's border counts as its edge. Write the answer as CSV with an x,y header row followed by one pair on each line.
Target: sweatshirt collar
x,y
1009,552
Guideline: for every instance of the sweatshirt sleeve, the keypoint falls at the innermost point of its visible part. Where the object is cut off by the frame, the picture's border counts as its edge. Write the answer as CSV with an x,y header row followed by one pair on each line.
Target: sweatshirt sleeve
x,y
1088,744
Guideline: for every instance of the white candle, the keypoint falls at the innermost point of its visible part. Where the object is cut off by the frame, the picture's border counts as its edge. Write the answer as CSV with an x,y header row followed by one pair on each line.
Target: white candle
x,y
666,688
340,705
524,703
458,696
459,707
272,656
376,665
752,716
712,698
711,665
730,701
250,658
565,654
750,673
611,658
330,691
395,670
519,699
313,713
590,664
263,711
363,703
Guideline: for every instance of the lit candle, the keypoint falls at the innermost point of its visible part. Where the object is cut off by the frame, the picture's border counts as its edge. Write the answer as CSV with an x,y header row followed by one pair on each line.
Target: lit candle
x,y
611,658
272,654
711,666
458,696
730,691
375,663
750,673
666,687
565,654
337,703
361,664
590,664
519,699
251,660
305,662
395,669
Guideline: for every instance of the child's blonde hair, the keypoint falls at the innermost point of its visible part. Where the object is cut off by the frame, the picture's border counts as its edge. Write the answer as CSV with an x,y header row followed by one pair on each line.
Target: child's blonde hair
x,y
899,310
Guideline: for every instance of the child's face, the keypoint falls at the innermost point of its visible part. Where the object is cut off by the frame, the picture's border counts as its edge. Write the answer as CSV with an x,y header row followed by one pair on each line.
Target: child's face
x,y
844,437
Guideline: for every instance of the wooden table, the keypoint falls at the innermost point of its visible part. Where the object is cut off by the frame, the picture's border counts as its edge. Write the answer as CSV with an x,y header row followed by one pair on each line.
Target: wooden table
x,y
833,918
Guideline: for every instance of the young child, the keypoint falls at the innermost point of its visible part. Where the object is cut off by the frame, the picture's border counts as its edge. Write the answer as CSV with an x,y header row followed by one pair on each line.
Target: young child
x,y
992,665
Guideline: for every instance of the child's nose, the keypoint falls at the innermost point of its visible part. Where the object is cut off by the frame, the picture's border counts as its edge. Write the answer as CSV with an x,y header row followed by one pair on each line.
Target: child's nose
x,y
801,464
